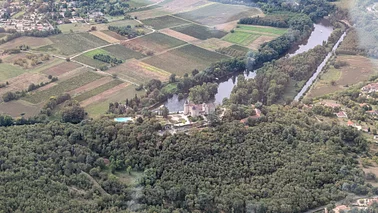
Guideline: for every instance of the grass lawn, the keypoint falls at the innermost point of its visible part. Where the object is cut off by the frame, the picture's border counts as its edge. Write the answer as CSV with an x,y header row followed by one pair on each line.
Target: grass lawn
x,y
164,22
200,32
10,71
185,59
64,86
242,38
69,44
262,29
122,52
97,90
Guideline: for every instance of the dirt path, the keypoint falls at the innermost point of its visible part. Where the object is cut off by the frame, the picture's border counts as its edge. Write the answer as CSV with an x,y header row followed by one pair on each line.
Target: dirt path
x,y
102,191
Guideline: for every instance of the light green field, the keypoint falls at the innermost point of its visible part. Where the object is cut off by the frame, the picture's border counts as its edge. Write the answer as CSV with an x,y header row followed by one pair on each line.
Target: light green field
x,y
64,86
123,23
10,71
164,22
97,90
242,38
96,52
90,61
270,30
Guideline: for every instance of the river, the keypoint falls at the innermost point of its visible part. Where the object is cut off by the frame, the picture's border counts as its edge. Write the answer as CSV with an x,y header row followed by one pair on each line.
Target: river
x,y
320,33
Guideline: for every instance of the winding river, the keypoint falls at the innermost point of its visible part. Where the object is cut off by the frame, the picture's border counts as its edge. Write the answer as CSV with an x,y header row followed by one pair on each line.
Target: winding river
x,y
320,33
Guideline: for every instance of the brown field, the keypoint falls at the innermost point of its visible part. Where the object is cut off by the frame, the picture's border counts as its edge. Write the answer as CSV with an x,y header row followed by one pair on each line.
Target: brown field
x,y
62,68
23,81
11,58
139,72
359,69
73,73
156,42
103,96
227,26
30,41
114,35
178,35
90,86
104,36
146,14
213,44
15,108
48,86
176,6
259,41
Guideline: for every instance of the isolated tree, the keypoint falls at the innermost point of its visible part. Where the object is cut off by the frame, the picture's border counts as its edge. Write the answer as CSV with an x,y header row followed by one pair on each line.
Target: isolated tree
x,y
165,112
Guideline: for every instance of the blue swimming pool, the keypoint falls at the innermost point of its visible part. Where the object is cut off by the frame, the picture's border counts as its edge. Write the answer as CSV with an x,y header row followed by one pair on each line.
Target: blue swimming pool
x,y
125,119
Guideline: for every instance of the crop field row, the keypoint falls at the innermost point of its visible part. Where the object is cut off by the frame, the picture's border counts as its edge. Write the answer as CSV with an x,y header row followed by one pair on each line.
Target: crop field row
x,y
156,42
65,86
199,31
262,29
164,22
185,59
97,90
69,44
241,38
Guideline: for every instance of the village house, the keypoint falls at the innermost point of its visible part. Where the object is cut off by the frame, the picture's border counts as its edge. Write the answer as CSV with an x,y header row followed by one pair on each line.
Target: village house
x,y
198,109
373,87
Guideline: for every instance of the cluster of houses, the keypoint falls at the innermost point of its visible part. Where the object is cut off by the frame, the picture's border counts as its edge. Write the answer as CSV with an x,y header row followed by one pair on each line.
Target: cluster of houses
x,y
29,22
360,204
195,110
370,88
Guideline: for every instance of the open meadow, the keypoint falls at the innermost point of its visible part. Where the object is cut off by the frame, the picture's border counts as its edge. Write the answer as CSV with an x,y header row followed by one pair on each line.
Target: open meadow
x,y
359,69
185,59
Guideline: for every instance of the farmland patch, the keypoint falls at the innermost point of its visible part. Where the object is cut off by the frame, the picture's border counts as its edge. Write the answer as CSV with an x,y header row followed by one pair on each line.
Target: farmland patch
x,y
164,22
122,52
15,108
200,32
104,95
178,35
98,90
185,59
213,44
62,68
90,86
32,42
104,36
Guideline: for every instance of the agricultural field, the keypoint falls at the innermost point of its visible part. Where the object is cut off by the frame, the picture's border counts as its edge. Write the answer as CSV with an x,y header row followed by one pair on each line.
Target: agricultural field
x,y
185,59
87,58
234,51
22,82
156,42
177,6
62,68
139,72
80,27
15,108
96,109
104,36
97,90
152,13
122,23
103,95
213,44
253,36
32,42
62,87
114,35
200,32
122,52
214,14
359,69
164,22
9,71
178,35
69,44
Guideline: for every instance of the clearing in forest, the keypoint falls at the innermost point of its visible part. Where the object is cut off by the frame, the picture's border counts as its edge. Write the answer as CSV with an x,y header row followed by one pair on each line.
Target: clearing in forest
x,y
218,13
199,31
185,59
139,72
164,22
359,69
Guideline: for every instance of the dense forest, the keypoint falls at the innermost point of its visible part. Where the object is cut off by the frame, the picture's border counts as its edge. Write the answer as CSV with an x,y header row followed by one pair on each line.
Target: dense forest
x,y
286,163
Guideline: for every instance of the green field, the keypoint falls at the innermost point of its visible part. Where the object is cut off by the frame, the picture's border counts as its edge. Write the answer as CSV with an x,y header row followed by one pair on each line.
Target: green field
x,y
90,61
269,30
46,48
9,71
122,52
97,90
123,23
185,59
217,13
200,32
164,22
65,86
242,38
69,44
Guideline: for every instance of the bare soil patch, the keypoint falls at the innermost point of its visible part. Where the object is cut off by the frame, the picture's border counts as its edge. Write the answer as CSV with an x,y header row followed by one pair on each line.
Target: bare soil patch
x,y
62,68
15,108
178,35
104,36
226,26
259,41
103,95
23,81
90,86
139,72
32,42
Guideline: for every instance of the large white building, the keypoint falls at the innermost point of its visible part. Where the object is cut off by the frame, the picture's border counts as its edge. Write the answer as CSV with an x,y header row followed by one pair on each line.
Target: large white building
x,y
198,109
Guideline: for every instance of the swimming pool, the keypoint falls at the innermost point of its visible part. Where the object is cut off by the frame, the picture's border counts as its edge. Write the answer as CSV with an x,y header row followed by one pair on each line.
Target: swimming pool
x,y
125,119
